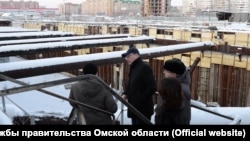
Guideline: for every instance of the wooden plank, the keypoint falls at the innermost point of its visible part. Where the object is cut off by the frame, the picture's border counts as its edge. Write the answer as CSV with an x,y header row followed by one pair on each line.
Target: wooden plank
x,y
230,38
241,43
168,37
228,60
186,60
138,32
160,36
207,35
205,62
152,32
132,31
216,58
194,39
248,63
239,64
205,39
167,57
241,37
207,53
177,56
177,34
195,54
186,35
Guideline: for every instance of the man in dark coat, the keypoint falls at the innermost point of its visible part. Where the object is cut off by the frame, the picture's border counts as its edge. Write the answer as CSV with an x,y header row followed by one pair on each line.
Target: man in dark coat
x,y
140,87
91,92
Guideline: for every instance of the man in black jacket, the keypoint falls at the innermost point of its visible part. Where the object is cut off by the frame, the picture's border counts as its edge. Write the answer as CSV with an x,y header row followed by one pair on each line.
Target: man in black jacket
x,y
141,86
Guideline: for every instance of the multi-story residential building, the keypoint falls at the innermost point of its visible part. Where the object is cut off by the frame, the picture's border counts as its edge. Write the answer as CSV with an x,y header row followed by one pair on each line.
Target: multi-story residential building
x,y
69,9
25,9
193,7
155,7
127,7
240,6
97,7
18,4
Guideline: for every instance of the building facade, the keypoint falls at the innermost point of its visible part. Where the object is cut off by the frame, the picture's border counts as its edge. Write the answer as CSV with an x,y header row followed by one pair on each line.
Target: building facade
x,y
155,7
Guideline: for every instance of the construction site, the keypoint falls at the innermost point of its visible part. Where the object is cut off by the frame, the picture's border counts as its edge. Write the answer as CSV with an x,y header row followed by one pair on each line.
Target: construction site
x,y
218,58
221,75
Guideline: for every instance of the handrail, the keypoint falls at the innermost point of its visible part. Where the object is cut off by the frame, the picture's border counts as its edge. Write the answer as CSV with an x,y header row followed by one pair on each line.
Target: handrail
x,y
55,95
68,80
212,112
132,108
235,120
27,87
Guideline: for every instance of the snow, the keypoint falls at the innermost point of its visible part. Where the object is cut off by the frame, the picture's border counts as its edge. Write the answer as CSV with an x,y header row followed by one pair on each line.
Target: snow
x,y
38,33
14,29
26,41
36,103
89,57
67,44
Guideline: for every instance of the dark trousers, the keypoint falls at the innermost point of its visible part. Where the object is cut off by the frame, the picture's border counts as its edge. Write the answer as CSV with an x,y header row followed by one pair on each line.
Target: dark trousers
x,y
137,121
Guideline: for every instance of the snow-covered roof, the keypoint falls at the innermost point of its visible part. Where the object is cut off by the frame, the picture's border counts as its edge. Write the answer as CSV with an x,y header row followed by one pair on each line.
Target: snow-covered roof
x,y
70,44
27,41
7,14
6,29
93,57
38,33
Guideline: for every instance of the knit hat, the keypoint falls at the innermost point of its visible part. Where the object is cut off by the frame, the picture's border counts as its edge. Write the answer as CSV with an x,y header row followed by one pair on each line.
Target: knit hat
x,y
175,65
132,49
90,68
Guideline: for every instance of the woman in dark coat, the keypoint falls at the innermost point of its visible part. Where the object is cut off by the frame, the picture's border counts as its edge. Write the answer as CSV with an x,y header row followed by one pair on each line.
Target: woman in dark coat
x,y
172,109
176,68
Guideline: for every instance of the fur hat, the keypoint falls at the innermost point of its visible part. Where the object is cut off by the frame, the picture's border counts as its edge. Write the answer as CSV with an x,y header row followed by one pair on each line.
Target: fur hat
x,y
90,68
132,49
175,65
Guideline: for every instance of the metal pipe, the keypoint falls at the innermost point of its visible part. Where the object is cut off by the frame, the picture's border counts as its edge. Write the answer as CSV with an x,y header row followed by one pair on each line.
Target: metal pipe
x,y
32,87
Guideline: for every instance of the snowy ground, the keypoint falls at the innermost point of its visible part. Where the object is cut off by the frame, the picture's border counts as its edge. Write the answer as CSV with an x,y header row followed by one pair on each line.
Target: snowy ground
x,y
39,104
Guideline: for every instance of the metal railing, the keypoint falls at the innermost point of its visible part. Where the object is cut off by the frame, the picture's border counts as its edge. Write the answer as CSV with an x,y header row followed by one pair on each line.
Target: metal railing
x,y
39,87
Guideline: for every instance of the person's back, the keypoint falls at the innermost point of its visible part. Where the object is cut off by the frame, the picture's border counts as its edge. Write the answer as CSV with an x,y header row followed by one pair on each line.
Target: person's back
x,y
176,68
91,92
172,110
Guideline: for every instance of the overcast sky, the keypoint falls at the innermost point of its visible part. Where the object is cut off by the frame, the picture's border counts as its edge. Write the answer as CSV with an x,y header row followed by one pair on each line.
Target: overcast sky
x,y
55,3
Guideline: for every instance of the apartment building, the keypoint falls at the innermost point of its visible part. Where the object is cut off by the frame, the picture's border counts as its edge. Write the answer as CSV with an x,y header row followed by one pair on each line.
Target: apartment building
x,y
126,7
193,7
18,4
69,9
26,9
97,7
155,7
